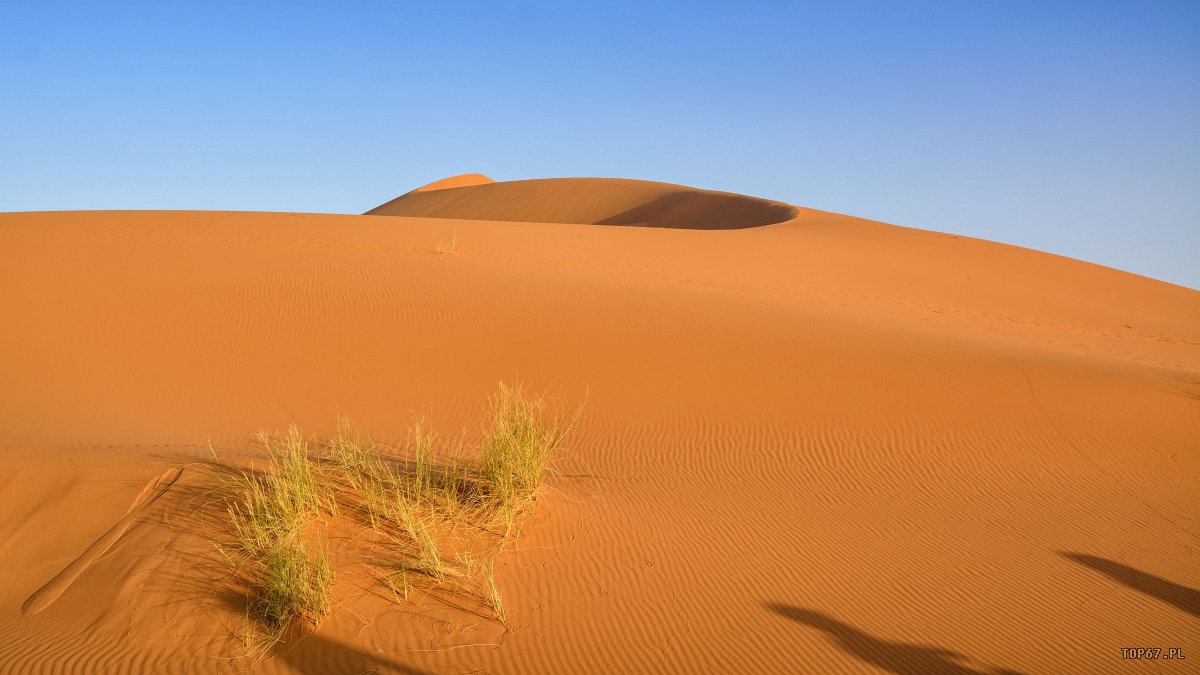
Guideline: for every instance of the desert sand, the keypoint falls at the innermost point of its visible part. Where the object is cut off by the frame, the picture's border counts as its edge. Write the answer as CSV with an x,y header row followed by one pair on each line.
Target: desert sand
x,y
811,442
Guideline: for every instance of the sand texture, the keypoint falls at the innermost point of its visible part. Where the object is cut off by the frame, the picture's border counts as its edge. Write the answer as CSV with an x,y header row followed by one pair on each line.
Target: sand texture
x,y
811,443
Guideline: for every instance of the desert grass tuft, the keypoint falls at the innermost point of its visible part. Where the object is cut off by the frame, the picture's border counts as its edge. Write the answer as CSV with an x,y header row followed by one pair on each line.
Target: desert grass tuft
x,y
518,448
353,454
276,505
417,529
295,585
445,248
420,486
268,516
493,593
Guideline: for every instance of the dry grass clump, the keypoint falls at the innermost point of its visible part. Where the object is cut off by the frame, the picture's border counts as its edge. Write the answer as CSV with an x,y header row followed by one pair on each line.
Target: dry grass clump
x,y
296,585
389,488
277,505
416,505
518,448
445,248
405,504
268,514
493,593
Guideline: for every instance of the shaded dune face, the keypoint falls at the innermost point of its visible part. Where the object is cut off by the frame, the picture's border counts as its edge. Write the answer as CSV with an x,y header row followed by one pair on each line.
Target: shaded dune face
x,y
596,201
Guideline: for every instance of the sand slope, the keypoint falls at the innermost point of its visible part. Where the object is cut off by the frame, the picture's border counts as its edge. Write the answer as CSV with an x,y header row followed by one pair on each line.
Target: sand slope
x,y
819,444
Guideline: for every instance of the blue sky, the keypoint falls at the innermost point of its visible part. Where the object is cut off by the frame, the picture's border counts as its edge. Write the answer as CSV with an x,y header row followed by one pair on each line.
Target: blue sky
x,y
1070,127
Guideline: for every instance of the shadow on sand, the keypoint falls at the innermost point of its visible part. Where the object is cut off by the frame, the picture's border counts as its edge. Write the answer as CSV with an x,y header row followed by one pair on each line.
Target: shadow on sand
x,y
694,210
316,653
894,657
1182,597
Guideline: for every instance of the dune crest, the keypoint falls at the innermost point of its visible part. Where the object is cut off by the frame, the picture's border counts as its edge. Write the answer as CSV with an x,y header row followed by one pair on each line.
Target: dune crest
x,y
47,594
593,201
461,180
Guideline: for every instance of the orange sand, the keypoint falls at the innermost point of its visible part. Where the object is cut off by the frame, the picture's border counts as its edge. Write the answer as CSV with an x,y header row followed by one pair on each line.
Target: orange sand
x,y
813,443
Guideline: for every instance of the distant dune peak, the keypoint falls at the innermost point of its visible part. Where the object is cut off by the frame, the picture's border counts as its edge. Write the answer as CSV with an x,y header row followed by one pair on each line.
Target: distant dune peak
x,y
594,201
461,180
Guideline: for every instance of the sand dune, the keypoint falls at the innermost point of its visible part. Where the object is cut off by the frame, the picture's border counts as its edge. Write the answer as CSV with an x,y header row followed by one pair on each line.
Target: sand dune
x,y
461,180
812,443
597,201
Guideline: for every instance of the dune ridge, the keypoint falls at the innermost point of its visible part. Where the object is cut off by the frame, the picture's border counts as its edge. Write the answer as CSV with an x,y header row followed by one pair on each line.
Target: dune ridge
x,y
46,595
461,180
598,201
800,452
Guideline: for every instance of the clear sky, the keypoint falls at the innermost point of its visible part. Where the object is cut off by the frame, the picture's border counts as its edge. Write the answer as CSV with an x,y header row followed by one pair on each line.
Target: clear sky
x,y
1070,127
